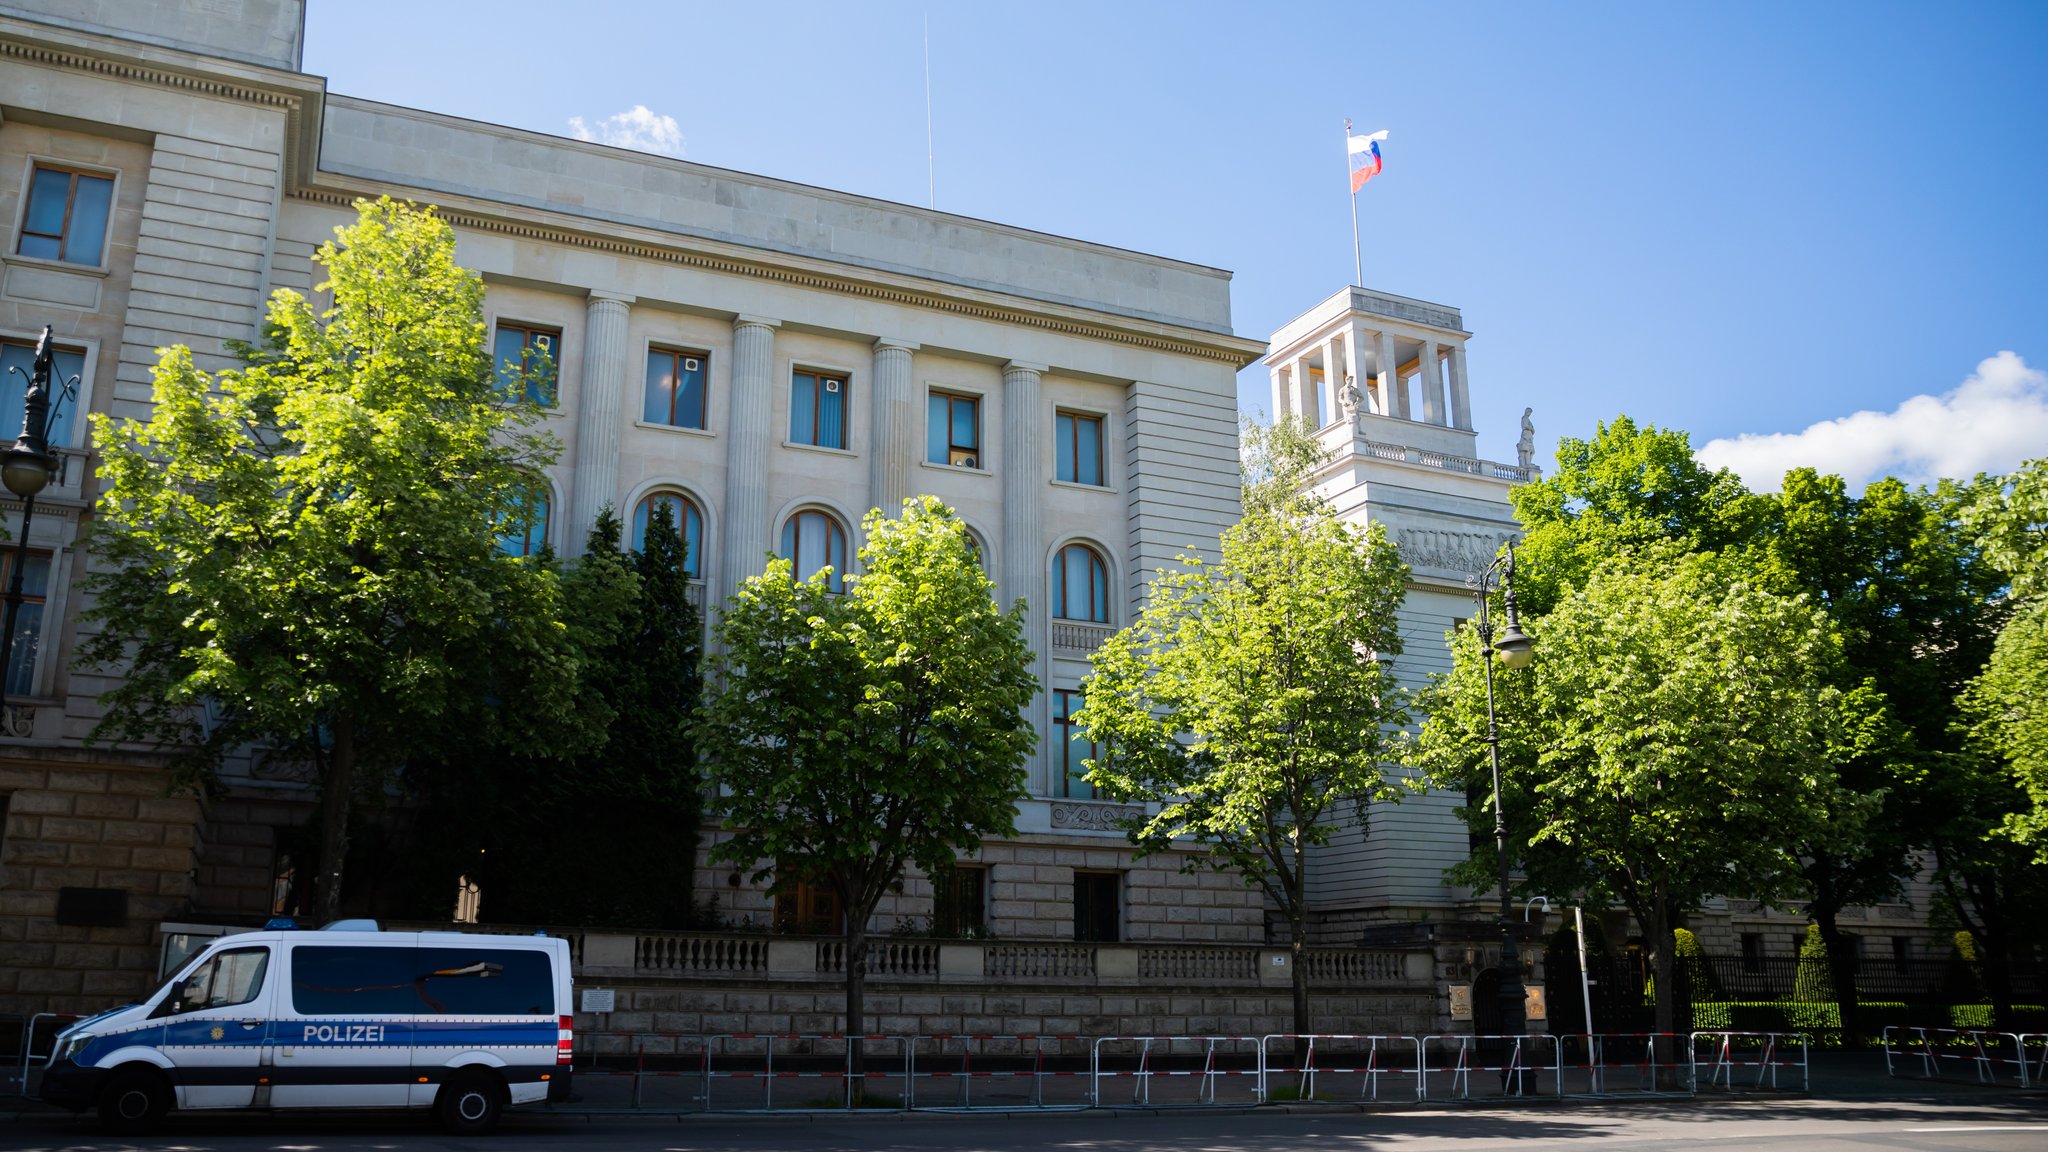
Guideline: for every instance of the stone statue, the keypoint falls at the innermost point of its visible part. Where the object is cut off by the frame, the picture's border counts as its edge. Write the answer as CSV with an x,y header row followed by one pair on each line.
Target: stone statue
x,y
1349,397
1525,451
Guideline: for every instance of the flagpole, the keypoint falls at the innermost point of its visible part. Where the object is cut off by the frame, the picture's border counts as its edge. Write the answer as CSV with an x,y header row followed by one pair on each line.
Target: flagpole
x,y
1357,253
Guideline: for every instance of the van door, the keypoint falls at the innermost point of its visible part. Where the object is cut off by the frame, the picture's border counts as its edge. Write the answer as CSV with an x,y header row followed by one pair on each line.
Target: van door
x,y
216,1026
344,1025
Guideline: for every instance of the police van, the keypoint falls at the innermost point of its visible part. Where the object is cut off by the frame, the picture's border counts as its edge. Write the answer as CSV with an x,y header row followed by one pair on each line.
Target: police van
x,y
465,1024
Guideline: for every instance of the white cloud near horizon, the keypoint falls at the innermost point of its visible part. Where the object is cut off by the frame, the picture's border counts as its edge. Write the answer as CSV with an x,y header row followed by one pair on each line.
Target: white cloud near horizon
x,y
1992,422
639,128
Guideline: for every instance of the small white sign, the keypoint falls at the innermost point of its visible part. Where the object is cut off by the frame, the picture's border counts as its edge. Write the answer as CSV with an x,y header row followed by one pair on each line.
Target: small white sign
x,y
1279,961
598,999
1461,1002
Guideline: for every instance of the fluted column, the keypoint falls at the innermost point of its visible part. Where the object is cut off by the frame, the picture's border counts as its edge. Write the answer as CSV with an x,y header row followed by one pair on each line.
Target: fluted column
x,y
745,523
1461,395
1430,373
1024,562
1334,370
1393,393
895,418
599,416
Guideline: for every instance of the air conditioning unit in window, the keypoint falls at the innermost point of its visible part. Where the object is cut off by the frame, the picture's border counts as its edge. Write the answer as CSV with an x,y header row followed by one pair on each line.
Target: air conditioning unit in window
x,y
960,461
544,343
831,385
691,364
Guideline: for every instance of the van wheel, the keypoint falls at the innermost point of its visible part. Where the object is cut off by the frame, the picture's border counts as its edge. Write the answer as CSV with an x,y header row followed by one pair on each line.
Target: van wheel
x,y
134,1100
470,1103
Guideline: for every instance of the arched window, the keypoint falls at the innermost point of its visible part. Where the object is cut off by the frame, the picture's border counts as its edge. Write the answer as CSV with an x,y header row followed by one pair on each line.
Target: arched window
x,y
690,522
812,540
1080,585
518,540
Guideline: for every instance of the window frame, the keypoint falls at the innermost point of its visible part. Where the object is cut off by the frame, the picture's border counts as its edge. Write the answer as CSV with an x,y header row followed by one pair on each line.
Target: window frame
x,y
1100,421
976,454
553,398
676,355
636,530
63,235
1111,880
819,378
80,401
954,917
1072,786
535,540
33,664
1061,596
834,527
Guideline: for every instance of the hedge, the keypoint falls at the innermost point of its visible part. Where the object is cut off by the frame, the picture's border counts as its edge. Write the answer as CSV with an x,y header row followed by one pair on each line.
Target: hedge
x,y
1823,1022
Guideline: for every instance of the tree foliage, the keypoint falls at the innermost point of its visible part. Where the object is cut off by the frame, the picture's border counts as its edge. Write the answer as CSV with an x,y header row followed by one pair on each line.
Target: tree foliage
x,y
847,735
604,834
308,541
1254,700
1672,715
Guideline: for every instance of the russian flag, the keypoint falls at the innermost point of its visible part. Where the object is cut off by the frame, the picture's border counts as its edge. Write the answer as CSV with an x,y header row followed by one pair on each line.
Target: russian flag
x,y
1365,157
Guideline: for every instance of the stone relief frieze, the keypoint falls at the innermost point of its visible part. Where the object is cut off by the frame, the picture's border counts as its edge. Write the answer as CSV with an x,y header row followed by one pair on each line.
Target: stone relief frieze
x,y
1454,551
1093,817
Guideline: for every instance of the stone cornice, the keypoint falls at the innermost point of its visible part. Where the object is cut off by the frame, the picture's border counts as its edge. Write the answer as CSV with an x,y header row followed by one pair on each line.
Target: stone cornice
x,y
814,274
298,95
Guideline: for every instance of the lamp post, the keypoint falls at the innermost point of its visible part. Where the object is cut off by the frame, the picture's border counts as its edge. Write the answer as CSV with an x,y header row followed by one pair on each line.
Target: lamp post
x,y
26,467
1515,650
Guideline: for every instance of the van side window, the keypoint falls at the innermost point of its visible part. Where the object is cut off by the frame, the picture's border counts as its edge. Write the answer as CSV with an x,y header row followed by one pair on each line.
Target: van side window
x,y
230,978
487,982
355,981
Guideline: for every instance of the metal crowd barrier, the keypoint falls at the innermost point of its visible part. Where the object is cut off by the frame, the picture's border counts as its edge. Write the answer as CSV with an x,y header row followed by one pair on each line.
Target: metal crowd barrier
x,y
997,1061
1330,1054
1765,1051
1985,1051
1203,1062
1521,1065
18,1079
737,1059
1630,1064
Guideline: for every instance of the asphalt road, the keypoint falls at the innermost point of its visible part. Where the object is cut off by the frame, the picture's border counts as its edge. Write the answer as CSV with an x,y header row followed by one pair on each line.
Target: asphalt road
x,y
2005,1121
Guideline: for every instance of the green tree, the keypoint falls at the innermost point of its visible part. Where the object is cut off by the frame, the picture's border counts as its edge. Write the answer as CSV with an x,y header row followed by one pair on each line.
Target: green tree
x,y
309,541
1908,590
605,833
1628,490
2011,517
847,735
1673,740
1254,699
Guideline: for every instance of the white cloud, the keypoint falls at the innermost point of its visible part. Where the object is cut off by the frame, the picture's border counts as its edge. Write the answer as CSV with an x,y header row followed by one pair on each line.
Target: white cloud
x,y
638,127
1992,422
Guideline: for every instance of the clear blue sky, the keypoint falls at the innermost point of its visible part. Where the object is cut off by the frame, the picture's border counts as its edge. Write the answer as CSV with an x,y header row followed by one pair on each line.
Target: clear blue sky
x,y
1729,219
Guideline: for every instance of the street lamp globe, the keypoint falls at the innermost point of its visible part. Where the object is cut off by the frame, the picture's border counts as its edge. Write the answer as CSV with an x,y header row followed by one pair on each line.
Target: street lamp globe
x,y
1515,648
25,471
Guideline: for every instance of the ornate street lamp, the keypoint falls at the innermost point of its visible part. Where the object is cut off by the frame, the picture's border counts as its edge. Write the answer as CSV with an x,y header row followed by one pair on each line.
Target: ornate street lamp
x,y
26,467
1515,650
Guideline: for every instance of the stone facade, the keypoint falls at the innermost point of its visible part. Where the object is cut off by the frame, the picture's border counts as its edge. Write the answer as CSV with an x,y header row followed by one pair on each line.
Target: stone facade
x,y
228,166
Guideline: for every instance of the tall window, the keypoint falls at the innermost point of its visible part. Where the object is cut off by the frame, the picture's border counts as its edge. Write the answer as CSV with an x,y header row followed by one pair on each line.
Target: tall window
x,y
1076,749
1080,585
953,430
528,358
960,901
675,388
688,521
817,410
808,909
1096,896
812,540
532,536
1079,452
67,215
28,626
65,363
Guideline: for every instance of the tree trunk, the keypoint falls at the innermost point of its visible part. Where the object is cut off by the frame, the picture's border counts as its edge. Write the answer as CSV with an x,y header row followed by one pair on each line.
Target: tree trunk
x,y
1842,971
1659,938
856,1019
337,790
1297,954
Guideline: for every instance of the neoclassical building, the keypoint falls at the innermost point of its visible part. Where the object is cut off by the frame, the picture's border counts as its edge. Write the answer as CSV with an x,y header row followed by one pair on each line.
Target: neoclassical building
x,y
767,358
